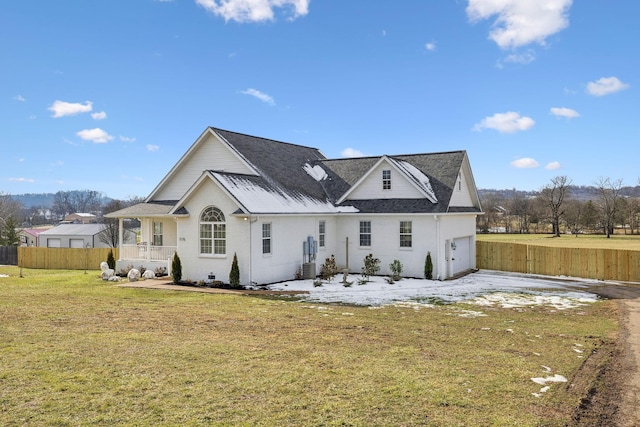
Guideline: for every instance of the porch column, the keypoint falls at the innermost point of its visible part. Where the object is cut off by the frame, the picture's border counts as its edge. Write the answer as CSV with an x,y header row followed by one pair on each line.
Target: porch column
x,y
149,237
120,237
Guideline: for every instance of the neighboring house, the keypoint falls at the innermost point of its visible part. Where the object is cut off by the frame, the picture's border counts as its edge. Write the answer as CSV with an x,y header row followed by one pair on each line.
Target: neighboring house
x,y
78,236
81,218
262,200
29,236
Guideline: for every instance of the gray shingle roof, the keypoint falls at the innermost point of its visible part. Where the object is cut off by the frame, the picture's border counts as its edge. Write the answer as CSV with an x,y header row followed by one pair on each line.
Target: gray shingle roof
x,y
281,169
441,169
156,208
280,163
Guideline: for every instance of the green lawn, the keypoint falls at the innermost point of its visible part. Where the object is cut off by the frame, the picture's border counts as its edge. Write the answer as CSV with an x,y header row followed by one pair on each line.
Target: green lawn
x,y
75,350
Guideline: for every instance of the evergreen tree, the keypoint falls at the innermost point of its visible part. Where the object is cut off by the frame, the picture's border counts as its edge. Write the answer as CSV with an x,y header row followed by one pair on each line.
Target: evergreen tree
x,y
176,268
111,260
9,235
428,267
234,275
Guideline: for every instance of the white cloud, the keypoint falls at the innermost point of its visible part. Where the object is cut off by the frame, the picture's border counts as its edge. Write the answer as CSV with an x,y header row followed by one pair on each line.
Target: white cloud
x,y
151,147
521,22
525,163
508,122
351,152
431,46
564,112
519,58
127,139
30,180
605,86
253,10
261,96
99,116
19,98
96,135
61,108
553,166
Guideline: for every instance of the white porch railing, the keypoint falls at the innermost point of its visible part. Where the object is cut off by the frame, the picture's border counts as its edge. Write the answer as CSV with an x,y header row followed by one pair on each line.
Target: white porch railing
x,y
146,252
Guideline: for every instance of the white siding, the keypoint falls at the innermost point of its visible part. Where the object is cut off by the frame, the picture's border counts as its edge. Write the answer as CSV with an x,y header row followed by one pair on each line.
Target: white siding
x,y
198,267
371,186
210,154
461,195
385,242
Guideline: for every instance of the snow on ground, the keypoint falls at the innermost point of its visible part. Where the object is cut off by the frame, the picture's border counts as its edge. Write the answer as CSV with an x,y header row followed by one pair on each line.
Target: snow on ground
x,y
483,288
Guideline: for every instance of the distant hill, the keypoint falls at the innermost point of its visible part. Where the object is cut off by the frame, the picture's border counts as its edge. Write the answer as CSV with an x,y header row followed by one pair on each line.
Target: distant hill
x,y
31,200
44,200
576,192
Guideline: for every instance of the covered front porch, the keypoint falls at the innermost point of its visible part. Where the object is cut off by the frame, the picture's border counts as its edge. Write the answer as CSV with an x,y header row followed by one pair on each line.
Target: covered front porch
x,y
151,257
156,242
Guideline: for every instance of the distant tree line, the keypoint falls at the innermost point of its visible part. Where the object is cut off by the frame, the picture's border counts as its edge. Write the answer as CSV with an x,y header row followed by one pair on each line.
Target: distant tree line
x,y
14,216
602,208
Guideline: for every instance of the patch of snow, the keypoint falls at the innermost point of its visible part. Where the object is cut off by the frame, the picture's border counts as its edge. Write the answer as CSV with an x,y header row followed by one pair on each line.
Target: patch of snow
x,y
483,287
557,378
258,197
316,172
419,178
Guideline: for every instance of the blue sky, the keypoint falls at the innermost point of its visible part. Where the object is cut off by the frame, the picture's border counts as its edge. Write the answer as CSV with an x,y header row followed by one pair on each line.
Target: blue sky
x,y
106,95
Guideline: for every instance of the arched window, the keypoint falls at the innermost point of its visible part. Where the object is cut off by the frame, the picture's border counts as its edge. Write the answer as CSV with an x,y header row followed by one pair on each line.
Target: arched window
x,y
213,232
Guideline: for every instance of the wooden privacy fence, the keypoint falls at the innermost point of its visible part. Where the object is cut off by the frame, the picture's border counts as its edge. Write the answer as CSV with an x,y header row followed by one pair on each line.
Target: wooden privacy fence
x,y
63,258
8,255
600,264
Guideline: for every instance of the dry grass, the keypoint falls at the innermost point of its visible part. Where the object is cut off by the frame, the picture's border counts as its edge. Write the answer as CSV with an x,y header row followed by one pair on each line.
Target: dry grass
x,y
78,351
597,241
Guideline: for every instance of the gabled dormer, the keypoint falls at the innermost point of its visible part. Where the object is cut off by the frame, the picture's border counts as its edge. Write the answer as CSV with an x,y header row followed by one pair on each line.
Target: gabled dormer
x,y
391,178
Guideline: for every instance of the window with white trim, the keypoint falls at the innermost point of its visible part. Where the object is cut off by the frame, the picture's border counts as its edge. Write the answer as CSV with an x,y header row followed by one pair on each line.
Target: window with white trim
x,y
157,234
405,234
322,229
386,179
213,232
266,238
365,233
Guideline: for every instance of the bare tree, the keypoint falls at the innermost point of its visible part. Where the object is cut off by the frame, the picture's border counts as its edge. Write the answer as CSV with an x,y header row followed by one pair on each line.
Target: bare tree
x,y
609,201
110,235
68,202
574,216
520,208
554,195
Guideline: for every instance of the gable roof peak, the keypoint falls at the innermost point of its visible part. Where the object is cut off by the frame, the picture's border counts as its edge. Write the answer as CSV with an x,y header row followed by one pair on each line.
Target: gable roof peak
x,y
221,132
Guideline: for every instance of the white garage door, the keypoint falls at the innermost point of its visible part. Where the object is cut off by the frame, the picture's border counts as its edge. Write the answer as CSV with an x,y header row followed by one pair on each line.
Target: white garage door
x,y
461,255
53,243
76,243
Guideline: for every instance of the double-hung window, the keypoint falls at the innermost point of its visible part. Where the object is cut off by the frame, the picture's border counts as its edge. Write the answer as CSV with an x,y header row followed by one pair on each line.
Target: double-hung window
x,y
322,230
365,233
157,234
266,238
213,232
386,179
405,234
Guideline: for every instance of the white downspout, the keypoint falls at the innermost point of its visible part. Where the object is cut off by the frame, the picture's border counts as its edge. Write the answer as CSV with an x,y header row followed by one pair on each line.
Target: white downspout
x,y
438,246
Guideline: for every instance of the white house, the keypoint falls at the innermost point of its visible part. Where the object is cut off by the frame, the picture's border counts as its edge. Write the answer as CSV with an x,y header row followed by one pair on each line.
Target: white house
x,y
262,199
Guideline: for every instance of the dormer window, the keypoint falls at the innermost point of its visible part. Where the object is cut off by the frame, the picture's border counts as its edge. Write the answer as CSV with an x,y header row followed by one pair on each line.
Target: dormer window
x,y
386,180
